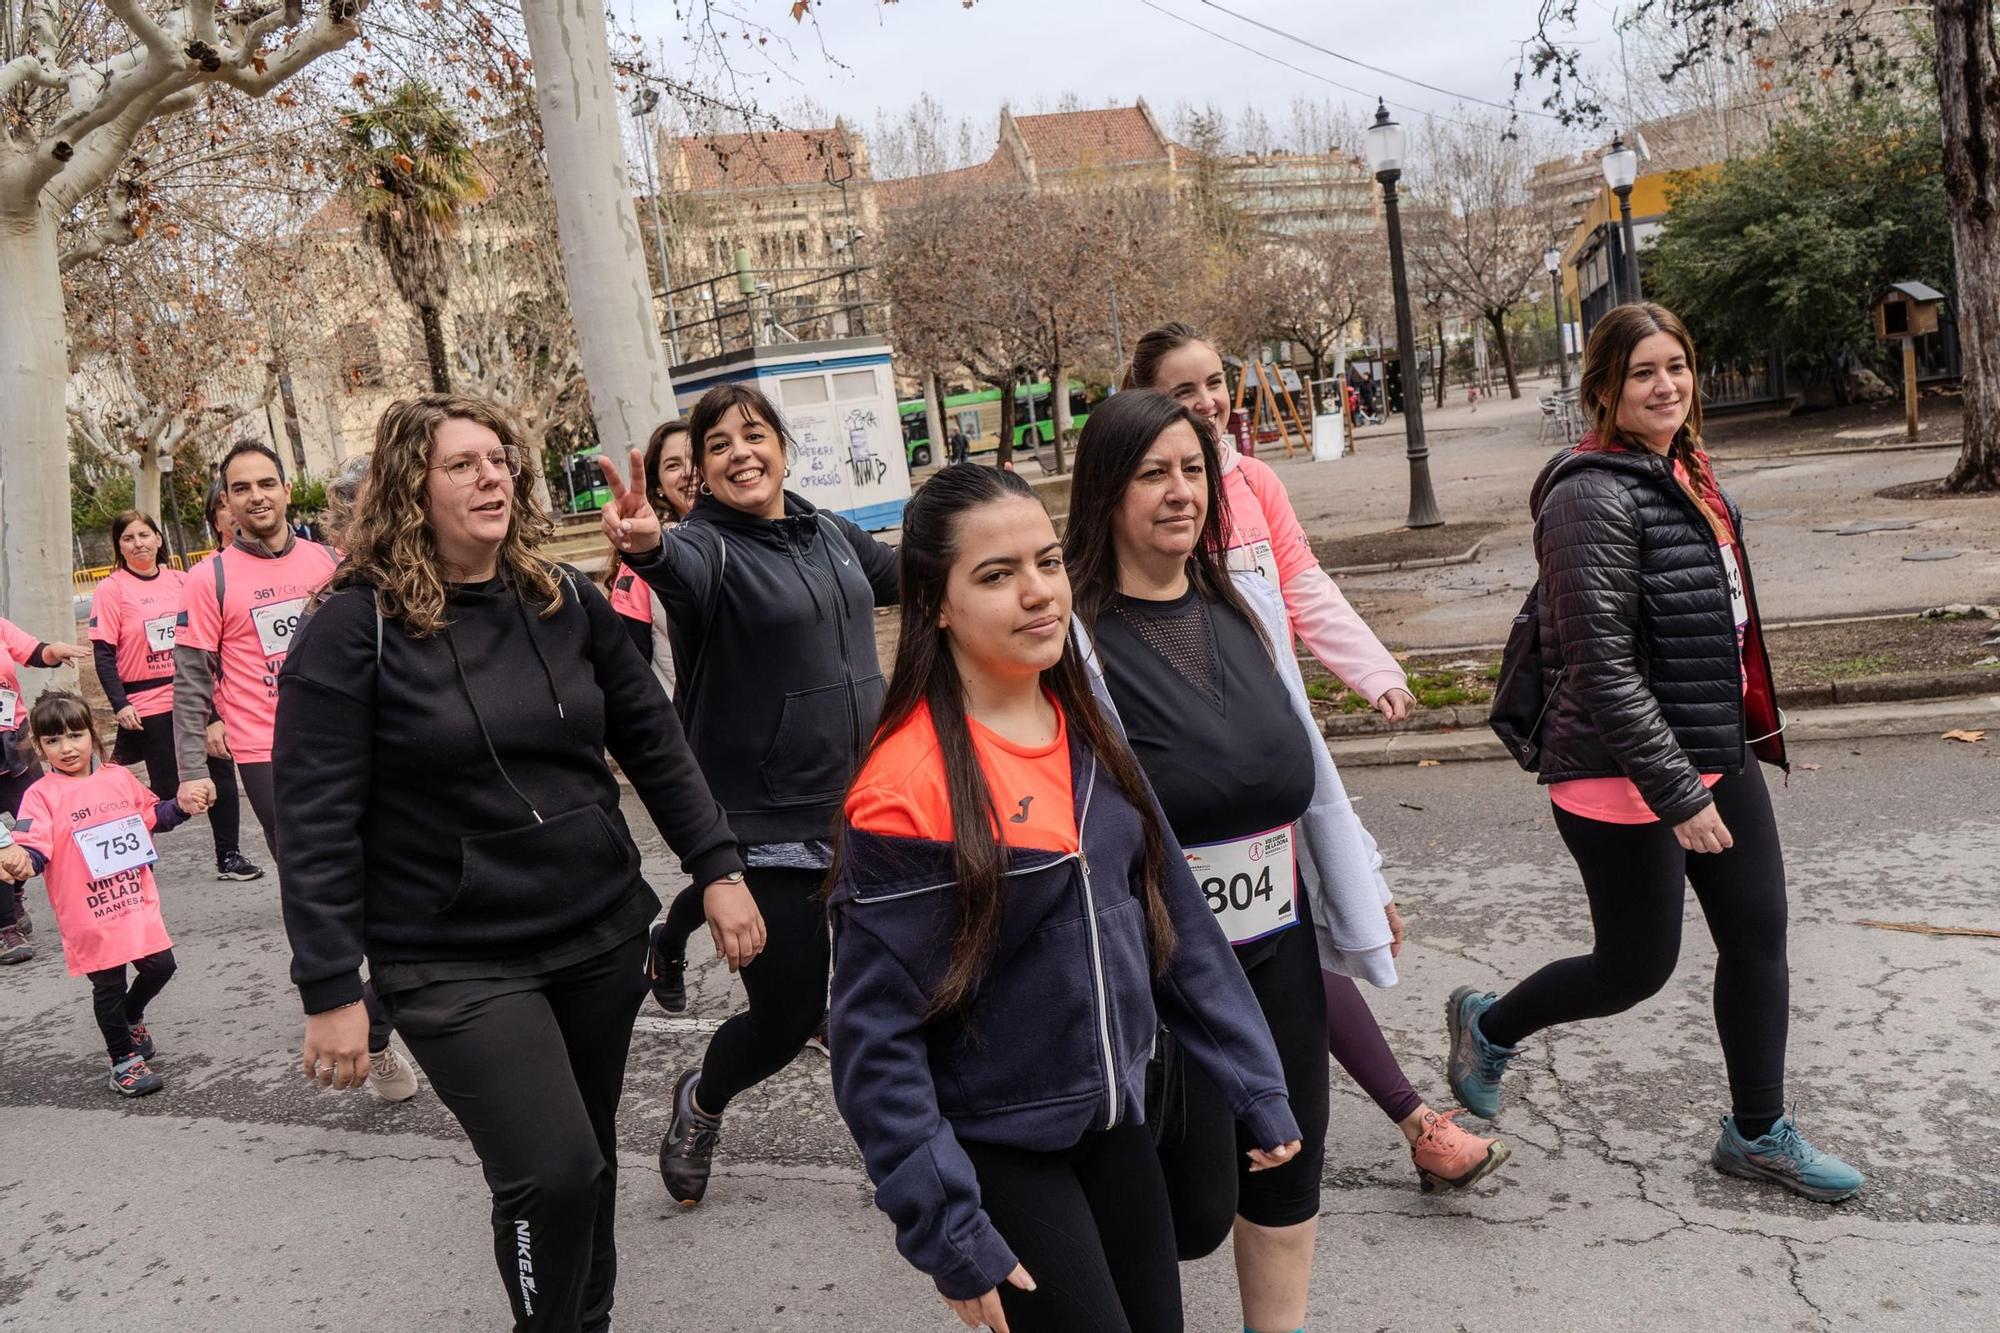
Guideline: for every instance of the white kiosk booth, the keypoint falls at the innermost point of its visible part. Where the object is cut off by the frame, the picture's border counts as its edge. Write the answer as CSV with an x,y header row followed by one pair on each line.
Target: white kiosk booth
x,y
839,400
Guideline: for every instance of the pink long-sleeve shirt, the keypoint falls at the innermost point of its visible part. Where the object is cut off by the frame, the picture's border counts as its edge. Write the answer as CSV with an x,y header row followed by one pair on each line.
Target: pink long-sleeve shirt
x,y
1264,535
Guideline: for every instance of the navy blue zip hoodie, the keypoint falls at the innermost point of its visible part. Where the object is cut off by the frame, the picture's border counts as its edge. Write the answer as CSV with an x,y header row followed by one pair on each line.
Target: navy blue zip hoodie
x,y
1056,1041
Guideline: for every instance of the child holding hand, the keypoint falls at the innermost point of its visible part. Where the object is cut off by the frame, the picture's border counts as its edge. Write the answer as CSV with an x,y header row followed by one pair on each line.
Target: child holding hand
x,y
88,827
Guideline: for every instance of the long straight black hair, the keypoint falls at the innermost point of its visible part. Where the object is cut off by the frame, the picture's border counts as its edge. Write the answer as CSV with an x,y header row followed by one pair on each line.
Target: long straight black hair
x,y
1113,444
927,674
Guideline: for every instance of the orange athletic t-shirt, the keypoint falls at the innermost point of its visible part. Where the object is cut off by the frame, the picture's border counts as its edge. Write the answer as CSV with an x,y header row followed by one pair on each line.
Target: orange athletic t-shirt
x,y
902,792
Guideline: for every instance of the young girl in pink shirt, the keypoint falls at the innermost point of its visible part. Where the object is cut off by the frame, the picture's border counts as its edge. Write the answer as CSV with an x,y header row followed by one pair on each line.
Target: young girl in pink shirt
x,y
88,826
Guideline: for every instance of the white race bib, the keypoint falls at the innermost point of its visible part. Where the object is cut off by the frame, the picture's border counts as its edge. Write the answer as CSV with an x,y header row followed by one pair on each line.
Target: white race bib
x,y
277,623
1739,605
115,845
160,634
1249,883
10,710
1257,556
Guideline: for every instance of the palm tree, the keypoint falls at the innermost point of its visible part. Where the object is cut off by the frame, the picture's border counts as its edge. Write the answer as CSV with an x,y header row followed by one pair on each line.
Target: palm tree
x,y
411,172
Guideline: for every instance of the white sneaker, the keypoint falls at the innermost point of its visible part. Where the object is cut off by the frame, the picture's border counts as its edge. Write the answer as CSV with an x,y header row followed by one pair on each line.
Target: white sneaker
x,y
393,1078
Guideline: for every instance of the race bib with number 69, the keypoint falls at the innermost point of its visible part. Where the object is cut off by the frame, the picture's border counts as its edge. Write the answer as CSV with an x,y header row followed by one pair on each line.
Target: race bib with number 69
x,y
277,623
1249,883
116,845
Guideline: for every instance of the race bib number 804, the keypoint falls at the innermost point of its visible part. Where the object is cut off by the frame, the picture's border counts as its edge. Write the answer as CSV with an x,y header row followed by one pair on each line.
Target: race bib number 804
x,y
277,623
1250,883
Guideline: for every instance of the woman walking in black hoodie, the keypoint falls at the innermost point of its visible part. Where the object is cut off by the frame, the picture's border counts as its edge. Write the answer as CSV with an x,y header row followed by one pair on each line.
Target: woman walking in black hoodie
x,y
771,613
442,722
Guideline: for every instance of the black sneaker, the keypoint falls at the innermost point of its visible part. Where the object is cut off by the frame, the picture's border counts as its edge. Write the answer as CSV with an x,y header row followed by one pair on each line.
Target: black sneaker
x,y
232,866
689,1145
142,1041
667,970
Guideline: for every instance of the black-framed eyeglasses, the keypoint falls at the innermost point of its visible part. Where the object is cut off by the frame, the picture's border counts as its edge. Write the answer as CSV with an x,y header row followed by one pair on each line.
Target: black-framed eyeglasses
x,y
465,469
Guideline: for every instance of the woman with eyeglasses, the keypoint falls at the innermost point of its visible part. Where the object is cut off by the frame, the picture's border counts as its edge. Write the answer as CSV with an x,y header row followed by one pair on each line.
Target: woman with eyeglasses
x,y
442,725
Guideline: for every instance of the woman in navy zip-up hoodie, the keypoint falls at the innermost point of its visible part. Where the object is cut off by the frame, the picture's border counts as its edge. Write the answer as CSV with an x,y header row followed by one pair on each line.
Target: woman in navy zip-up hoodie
x,y
1011,918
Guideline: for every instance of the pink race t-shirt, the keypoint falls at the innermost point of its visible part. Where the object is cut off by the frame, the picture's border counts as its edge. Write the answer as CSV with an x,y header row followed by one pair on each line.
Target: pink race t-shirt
x,y
16,645
137,617
265,598
110,920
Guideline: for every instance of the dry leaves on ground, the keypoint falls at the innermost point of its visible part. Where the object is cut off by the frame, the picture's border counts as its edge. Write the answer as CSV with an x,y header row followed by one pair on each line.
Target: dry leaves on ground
x,y
1428,763
1969,737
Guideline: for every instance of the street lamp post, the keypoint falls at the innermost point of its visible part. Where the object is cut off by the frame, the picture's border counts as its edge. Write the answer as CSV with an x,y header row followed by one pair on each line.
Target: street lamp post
x,y
1621,169
1386,144
1552,260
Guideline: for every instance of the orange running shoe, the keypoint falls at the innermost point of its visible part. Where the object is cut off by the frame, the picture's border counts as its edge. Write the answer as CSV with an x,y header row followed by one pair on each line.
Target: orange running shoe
x,y
1448,1155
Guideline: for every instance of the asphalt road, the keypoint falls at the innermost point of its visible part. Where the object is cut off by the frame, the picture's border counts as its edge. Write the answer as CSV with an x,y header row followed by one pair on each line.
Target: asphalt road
x,y
239,1200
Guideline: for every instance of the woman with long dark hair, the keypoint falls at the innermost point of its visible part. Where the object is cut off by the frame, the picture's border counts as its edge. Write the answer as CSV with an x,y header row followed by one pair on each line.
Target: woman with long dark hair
x,y
1197,662
1009,909
770,604
1660,702
450,818
1261,533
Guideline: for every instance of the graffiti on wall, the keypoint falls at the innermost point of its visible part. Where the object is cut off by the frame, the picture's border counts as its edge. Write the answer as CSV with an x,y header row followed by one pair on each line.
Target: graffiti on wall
x,y
869,468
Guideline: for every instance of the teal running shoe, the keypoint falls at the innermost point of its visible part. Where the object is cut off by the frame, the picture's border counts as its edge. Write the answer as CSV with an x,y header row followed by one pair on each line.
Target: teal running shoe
x,y
1783,1157
1476,1064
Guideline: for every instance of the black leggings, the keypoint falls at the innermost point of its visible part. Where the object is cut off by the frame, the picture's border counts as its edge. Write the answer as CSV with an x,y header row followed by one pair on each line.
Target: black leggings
x,y
154,744
1636,876
786,984
1090,1224
1207,1167
258,786
118,1007
13,786
532,1067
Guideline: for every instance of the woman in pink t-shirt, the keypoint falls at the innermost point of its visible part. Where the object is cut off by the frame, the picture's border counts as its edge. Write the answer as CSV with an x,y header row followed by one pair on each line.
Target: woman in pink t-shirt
x,y
88,827
1264,535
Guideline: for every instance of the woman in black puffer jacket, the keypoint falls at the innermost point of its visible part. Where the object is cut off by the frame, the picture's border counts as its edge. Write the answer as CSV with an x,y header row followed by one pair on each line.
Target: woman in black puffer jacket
x,y
1660,700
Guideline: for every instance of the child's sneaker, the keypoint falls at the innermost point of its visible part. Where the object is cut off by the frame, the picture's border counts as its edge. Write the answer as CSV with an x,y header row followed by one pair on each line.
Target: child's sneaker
x,y
1447,1155
1783,1157
142,1041
22,921
14,946
131,1077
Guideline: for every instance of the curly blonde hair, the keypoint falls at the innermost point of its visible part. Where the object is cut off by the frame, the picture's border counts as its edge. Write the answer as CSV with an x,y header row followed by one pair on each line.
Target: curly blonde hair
x,y
389,542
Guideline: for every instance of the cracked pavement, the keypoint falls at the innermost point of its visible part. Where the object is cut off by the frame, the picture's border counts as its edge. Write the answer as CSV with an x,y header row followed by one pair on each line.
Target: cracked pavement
x,y
239,1199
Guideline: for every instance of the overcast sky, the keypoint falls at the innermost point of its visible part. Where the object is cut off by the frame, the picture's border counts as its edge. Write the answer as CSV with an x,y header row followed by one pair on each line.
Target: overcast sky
x,y
1111,51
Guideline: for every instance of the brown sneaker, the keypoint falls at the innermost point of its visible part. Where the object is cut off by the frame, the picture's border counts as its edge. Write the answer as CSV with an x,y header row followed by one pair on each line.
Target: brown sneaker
x,y
14,946
1447,1155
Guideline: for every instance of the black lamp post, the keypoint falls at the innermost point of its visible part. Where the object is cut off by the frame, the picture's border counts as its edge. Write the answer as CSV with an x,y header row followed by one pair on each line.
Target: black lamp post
x,y
1386,145
1621,169
1552,260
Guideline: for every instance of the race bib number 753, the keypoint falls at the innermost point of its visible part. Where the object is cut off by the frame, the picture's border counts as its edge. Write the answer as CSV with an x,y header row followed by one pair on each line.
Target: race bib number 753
x,y
1249,883
115,845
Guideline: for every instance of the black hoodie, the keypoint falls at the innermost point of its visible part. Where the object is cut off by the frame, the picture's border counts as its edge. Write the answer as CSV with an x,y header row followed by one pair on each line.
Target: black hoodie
x,y
772,623
446,800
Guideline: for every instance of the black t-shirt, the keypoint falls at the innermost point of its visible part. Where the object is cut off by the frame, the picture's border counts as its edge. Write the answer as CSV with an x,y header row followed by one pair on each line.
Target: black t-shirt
x,y
1207,715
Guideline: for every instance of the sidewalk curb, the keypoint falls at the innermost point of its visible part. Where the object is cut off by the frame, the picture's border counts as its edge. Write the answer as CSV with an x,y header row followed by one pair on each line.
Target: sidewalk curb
x,y
1465,557
1835,723
1901,447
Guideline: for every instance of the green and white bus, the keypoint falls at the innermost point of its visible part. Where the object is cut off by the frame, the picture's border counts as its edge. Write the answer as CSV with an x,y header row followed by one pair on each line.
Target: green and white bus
x,y
978,415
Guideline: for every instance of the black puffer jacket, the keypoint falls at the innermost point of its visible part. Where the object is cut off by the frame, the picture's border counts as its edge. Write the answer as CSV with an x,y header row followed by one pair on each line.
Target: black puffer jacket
x,y
1639,650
